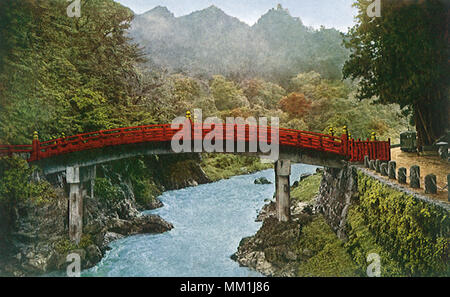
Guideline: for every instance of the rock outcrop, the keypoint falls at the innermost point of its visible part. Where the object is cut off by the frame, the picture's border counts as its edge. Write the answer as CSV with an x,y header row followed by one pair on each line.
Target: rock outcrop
x,y
338,190
271,250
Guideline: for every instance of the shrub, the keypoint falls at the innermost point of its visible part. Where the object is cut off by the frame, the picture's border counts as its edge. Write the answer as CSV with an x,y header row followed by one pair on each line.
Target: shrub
x,y
16,183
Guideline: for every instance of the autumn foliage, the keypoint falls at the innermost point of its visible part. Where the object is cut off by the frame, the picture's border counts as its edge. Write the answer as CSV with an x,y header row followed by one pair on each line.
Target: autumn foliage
x,y
295,104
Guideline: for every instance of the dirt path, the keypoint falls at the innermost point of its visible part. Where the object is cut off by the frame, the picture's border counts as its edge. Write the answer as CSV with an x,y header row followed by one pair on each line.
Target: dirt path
x,y
428,165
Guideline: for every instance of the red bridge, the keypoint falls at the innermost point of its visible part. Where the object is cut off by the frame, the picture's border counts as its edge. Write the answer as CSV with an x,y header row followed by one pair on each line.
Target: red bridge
x,y
76,156
345,147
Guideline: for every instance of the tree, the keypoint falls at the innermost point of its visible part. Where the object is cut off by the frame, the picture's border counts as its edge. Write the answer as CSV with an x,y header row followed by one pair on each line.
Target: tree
x,y
402,57
259,92
295,104
226,94
83,70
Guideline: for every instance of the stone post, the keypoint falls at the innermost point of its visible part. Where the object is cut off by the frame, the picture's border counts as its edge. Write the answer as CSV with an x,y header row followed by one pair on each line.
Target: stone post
x,y
430,184
414,177
366,162
384,169
282,191
75,204
377,166
391,169
372,164
402,175
448,187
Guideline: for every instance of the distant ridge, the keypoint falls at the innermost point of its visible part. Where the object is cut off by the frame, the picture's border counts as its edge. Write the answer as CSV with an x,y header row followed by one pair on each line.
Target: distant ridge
x,y
208,42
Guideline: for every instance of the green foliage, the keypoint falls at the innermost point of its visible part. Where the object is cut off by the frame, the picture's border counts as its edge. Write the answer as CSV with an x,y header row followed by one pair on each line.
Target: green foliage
x,y
64,245
411,236
315,87
226,94
145,190
79,69
402,57
259,92
16,184
307,189
334,105
222,166
322,253
119,178
106,191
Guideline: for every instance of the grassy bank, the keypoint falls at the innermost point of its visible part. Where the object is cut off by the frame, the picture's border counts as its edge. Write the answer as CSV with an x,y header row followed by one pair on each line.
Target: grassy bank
x,y
319,251
223,166
307,189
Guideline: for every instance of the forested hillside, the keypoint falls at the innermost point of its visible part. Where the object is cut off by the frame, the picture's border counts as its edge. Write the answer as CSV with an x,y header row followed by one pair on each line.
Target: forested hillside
x,y
72,75
66,75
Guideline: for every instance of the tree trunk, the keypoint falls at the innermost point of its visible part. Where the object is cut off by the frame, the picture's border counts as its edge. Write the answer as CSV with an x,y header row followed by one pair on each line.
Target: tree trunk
x,y
432,120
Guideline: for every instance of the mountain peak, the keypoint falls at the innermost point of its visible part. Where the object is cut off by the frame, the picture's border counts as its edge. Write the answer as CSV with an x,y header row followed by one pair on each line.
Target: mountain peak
x,y
160,11
278,15
213,9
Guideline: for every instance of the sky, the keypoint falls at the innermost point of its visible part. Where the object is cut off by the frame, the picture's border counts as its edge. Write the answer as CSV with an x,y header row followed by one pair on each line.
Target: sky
x,y
329,13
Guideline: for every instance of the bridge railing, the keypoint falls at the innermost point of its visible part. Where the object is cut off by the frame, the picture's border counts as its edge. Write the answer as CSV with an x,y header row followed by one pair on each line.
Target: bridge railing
x,y
9,150
100,139
352,150
380,150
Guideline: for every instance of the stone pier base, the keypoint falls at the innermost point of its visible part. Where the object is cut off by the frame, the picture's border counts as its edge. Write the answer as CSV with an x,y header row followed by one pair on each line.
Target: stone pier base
x,y
75,204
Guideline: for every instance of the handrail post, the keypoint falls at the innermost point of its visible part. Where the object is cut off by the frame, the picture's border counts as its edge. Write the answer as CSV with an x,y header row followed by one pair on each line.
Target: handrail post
x,y
35,147
389,149
345,145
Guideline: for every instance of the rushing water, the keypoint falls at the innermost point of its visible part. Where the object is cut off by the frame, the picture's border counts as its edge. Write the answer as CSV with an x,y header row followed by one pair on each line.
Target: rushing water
x,y
209,222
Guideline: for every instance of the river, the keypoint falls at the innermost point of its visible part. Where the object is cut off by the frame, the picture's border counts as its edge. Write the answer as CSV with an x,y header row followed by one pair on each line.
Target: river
x,y
209,222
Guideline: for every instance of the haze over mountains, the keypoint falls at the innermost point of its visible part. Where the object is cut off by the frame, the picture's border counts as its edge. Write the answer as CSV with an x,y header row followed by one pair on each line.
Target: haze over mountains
x,y
209,42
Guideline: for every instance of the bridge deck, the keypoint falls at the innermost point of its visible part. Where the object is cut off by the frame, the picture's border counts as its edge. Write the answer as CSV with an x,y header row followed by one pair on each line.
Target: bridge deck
x,y
348,149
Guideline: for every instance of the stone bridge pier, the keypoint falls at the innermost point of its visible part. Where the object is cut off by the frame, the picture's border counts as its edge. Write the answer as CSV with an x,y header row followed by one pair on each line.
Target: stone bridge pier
x,y
76,177
283,190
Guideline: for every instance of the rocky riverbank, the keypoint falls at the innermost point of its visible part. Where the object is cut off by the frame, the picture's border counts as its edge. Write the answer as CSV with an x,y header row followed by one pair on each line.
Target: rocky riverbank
x,y
271,251
305,246
34,235
39,243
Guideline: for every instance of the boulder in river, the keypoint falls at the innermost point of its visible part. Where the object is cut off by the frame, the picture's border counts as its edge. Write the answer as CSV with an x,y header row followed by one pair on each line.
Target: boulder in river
x,y
262,181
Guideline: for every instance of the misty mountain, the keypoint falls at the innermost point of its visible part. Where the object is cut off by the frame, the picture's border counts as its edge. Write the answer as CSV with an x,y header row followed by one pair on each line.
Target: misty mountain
x,y
211,42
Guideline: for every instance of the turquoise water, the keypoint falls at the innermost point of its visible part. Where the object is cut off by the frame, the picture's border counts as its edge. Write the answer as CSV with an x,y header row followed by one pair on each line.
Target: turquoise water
x,y
209,222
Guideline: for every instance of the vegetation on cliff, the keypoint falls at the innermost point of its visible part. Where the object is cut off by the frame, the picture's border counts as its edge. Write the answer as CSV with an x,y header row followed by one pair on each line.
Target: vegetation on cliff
x,y
322,253
411,236
16,183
